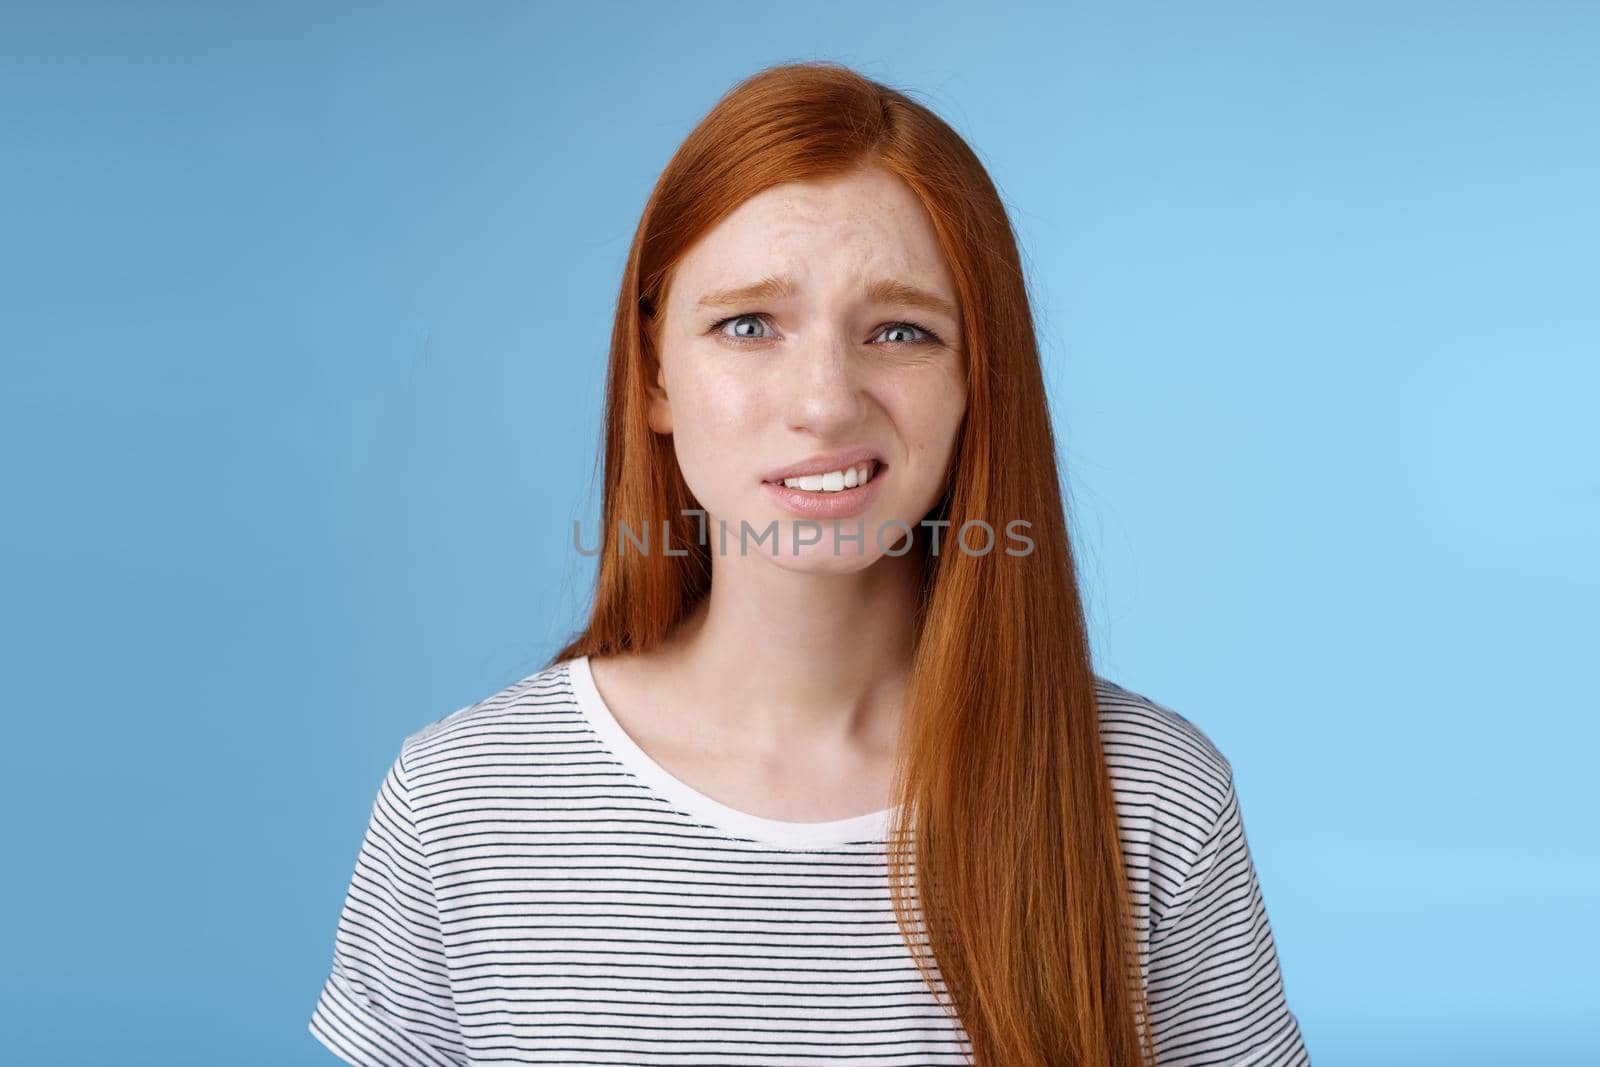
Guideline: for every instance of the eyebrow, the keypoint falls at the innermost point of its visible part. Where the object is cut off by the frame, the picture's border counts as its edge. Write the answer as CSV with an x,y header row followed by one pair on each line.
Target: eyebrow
x,y
882,291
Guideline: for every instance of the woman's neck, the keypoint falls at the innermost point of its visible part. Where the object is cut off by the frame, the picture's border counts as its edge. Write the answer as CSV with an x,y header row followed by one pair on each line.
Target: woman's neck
x,y
788,661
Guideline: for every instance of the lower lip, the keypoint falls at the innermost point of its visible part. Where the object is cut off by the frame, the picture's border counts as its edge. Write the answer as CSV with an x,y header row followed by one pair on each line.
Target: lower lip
x,y
845,504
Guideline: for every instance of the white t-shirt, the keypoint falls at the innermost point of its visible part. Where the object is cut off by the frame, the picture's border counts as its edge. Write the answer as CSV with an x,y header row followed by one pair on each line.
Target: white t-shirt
x,y
534,888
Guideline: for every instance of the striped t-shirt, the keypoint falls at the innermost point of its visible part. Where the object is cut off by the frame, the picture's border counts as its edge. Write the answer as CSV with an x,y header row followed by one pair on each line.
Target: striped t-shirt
x,y
534,888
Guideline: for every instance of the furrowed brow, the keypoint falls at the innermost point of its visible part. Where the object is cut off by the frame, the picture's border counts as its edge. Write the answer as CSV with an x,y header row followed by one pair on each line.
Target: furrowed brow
x,y
883,291
888,291
771,288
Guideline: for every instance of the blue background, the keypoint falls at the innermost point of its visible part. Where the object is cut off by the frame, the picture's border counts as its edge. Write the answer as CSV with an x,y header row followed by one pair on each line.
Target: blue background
x,y
305,317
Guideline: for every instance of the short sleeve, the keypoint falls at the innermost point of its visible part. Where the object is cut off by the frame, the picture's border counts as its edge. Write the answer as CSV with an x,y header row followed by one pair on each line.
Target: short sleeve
x,y
1216,994
387,1000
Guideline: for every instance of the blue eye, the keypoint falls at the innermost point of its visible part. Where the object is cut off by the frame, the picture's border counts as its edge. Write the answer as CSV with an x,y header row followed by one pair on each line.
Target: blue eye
x,y
737,318
929,337
921,329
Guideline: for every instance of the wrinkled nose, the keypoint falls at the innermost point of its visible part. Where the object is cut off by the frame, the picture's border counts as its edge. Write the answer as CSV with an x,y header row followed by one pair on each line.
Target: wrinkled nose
x,y
824,391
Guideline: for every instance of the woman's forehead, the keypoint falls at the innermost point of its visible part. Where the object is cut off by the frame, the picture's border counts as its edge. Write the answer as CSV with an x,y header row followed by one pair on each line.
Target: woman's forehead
x,y
856,234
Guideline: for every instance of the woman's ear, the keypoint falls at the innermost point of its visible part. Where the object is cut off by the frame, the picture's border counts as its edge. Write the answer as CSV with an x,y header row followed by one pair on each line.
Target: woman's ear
x,y
659,407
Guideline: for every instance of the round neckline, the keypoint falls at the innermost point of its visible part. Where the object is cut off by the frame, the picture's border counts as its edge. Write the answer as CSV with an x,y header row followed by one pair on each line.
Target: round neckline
x,y
872,826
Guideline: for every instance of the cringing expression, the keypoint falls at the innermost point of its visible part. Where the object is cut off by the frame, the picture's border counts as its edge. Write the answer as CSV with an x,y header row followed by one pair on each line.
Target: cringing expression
x,y
818,317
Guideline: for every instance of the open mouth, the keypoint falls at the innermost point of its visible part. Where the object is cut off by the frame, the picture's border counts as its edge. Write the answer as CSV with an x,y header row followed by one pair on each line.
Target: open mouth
x,y
834,482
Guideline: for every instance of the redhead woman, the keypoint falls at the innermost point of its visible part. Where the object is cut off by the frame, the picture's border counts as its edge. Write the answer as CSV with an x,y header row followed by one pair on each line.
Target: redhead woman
x,y
828,776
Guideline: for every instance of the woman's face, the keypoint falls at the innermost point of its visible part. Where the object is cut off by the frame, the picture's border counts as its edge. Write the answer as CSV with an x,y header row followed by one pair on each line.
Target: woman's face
x,y
818,319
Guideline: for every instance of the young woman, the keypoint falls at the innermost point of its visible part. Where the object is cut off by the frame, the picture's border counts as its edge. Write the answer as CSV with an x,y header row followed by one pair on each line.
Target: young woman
x,y
828,776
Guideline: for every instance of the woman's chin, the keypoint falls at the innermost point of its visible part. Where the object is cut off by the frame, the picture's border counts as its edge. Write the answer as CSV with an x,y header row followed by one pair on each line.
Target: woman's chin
x,y
821,560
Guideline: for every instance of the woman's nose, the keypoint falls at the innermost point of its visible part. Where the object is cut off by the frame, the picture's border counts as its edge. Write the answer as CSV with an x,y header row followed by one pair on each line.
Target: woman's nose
x,y
824,389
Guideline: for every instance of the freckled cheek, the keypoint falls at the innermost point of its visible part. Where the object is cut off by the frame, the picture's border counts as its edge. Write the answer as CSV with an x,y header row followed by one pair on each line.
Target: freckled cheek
x,y
928,416
722,428
736,409
705,396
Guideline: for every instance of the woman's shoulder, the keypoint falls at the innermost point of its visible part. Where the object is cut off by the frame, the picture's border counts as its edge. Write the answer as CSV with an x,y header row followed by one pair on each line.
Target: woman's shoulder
x,y
536,703
1158,758
1172,788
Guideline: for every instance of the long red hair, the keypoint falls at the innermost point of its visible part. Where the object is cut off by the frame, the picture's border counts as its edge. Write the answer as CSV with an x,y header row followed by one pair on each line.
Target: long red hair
x,y
1006,869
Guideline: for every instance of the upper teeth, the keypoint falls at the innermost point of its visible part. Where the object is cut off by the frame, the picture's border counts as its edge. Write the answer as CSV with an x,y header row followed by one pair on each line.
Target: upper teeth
x,y
833,481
